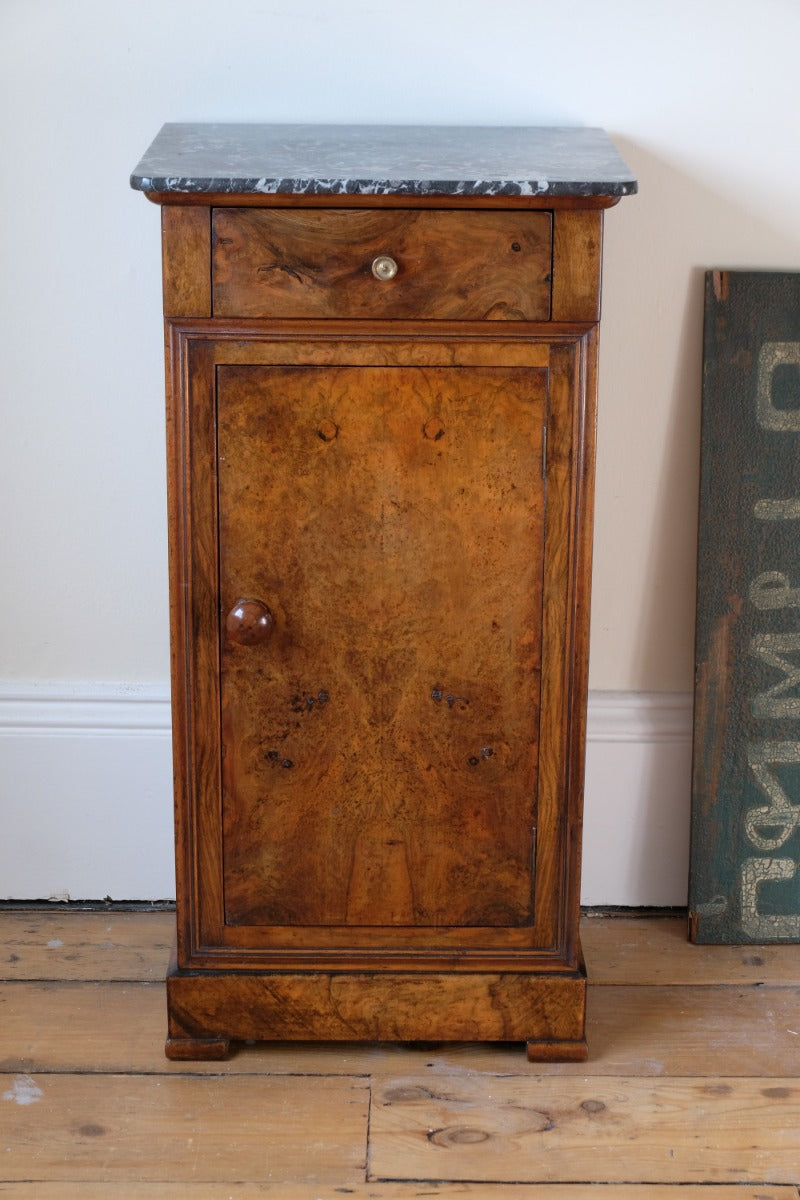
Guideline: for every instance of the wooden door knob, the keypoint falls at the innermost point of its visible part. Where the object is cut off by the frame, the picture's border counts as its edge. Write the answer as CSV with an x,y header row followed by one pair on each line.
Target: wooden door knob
x,y
249,622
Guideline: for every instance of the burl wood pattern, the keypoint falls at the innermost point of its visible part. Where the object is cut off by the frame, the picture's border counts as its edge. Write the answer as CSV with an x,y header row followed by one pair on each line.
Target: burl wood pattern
x,y
451,265
380,762
186,245
380,615
379,1007
577,260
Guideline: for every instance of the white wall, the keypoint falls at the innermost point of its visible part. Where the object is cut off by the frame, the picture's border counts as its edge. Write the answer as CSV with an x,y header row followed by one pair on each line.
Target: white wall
x,y
702,98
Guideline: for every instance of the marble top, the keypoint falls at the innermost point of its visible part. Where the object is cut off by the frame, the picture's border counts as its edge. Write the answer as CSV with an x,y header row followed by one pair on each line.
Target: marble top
x,y
408,160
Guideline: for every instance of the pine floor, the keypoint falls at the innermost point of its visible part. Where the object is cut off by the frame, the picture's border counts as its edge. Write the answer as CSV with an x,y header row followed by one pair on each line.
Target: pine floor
x,y
692,1090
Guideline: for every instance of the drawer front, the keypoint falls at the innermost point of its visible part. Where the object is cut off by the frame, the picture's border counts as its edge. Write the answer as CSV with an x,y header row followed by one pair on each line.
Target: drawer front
x,y
394,264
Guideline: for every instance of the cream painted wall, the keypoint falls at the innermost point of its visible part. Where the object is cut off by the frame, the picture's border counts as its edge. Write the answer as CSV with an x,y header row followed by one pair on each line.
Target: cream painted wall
x,y
702,97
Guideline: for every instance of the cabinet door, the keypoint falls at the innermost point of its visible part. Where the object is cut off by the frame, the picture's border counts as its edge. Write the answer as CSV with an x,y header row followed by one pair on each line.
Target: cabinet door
x,y
380,748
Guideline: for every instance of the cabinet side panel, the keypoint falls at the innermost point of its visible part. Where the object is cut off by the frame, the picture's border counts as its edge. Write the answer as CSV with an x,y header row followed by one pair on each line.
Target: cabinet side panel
x,y
577,259
202,602
570,459
186,245
585,421
195,650
178,549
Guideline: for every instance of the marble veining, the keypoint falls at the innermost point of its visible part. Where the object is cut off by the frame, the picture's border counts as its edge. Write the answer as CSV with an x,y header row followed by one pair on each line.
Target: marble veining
x,y
383,160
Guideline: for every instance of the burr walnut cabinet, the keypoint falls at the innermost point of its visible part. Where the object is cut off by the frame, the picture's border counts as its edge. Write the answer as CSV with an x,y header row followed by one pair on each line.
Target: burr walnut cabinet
x,y
381,351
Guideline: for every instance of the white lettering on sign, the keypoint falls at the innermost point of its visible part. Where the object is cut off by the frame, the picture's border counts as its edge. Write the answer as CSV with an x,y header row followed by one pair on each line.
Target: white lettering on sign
x,y
768,827
781,817
772,589
766,926
772,356
774,702
777,510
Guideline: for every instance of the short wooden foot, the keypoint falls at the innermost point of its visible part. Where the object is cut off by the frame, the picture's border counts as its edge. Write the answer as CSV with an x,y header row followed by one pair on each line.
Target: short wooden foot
x,y
183,1049
558,1051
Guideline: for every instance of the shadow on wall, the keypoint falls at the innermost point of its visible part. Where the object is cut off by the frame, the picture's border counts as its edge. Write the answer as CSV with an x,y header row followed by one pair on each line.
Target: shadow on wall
x,y
657,252
638,785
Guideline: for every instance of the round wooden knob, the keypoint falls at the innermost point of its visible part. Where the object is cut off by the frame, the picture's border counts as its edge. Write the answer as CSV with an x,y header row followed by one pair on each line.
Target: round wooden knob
x,y
249,622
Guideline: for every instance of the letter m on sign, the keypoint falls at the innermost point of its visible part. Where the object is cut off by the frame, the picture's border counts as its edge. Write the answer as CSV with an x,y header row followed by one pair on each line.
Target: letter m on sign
x,y
745,857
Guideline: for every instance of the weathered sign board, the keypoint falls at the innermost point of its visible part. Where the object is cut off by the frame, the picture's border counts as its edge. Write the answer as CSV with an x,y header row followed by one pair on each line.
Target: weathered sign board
x,y
745,862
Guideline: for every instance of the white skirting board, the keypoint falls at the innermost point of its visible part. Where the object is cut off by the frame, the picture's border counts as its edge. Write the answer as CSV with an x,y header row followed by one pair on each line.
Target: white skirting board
x,y
86,801
637,799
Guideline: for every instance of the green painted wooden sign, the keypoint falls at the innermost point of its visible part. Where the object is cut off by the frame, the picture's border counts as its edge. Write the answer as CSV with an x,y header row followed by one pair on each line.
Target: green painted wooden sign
x,y
745,861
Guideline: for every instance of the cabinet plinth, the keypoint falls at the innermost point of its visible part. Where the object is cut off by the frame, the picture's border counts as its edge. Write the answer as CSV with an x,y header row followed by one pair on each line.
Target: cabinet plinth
x,y
381,408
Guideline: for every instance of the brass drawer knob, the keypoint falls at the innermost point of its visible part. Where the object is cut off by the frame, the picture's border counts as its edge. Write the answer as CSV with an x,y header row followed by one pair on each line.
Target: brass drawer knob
x,y
384,267
249,622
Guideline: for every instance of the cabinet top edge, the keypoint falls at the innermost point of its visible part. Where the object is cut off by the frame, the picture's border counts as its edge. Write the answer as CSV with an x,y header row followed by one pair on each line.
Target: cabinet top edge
x,y
380,160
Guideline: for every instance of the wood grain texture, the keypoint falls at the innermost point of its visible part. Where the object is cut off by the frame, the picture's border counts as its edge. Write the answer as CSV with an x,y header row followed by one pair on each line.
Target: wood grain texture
x,y
198,856
690,1130
105,1128
393,1191
83,945
541,202
124,1190
402,680
627,950
670,1064
186,275
193,345
377,1007
463,266
577,260
362,793
560,803
376,344
194,649
584,415
649,1031
204,1049
620,951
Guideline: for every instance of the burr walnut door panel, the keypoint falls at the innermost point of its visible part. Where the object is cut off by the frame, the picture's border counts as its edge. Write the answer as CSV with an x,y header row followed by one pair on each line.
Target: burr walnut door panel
x,y
380,710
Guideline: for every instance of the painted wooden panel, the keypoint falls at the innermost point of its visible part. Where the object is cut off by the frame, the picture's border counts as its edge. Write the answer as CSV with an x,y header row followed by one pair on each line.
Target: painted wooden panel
x,y
745,883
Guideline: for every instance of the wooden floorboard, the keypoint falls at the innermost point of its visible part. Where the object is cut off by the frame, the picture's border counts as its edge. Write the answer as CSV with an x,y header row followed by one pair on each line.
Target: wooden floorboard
x,y
636,950
389,1191
691,1091
135,947
85,946
104,1128
120,1028
552,1130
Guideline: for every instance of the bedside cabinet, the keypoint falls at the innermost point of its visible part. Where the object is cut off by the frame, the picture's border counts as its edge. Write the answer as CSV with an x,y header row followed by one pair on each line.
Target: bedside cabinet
x,y
381,353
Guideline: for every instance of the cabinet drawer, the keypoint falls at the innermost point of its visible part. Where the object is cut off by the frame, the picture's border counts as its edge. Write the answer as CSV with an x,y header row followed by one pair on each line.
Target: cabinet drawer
x,y
393,264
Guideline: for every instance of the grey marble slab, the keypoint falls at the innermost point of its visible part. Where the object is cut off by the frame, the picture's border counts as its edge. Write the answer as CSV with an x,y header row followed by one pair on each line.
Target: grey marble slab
x,y
383,159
